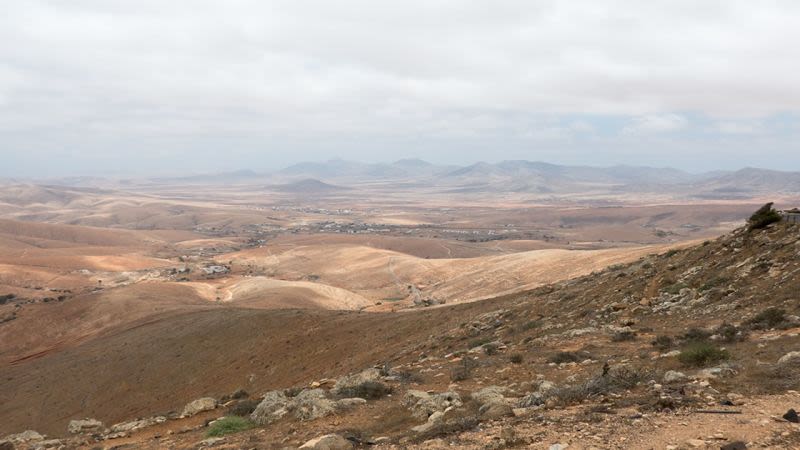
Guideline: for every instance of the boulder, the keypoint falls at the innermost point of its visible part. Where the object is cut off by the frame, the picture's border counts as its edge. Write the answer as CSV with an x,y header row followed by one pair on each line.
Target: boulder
x,y
673,376
127,427
365,384
272,407
328,442
25,436
84,426
312,404
435,419
791,416
198,406
489,394
422,404
789,358
495,410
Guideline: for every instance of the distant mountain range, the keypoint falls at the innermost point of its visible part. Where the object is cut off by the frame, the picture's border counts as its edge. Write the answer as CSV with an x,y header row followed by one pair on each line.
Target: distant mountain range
x,y
521,176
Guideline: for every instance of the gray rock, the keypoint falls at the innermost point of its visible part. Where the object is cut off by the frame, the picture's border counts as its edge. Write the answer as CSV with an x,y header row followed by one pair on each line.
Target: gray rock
x,y
489,394
25,436
350,383
328,442
435,419
673,376
312,404
198,406
84,426
789,358
127,427
495,410
422,404
273,407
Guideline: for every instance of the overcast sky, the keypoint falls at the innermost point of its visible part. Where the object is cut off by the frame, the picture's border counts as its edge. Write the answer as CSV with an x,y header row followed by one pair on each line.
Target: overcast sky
x,y
154,87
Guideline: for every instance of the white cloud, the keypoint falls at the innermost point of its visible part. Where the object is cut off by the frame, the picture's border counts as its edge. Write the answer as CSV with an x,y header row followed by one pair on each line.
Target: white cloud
x,y
112,74
655,123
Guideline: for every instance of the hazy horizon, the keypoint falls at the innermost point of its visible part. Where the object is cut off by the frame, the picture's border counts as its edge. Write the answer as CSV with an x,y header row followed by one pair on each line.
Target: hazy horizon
x,y
151,88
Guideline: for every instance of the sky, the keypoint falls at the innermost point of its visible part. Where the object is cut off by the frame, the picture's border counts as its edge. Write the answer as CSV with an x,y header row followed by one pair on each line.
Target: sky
x,y
107,87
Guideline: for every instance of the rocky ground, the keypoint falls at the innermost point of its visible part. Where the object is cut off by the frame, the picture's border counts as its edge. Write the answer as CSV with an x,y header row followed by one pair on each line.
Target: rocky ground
x,y
695,348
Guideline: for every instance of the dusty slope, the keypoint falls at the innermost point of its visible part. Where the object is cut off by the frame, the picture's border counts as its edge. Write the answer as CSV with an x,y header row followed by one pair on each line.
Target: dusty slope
x,y
383,275
161,365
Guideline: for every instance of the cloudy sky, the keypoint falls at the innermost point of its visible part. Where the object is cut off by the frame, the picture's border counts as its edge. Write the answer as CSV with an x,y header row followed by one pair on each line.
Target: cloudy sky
x,y
122,87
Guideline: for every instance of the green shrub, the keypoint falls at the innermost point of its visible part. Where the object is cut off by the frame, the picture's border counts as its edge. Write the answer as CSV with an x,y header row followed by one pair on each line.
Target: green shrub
x,y
624,336
701,354
696,335
662,342
243,408
768,318
730,333
564,357
228,425
763,217
366,390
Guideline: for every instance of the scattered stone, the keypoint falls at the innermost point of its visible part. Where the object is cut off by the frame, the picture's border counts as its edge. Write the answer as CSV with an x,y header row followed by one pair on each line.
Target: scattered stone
x,y
127,427
673,376
84,426
198,406
791,416
312,404
789,357
696,443
558,446
211,442
271,408
328,442
422,404
495,410
365,384
737,445
25,436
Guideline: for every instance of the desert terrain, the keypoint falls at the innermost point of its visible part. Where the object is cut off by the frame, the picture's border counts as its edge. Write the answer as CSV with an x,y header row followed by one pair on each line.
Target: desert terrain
x,y
127,299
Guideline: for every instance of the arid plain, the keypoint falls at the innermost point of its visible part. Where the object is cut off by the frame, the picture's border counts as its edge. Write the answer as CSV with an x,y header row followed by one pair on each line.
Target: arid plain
x,y
85,262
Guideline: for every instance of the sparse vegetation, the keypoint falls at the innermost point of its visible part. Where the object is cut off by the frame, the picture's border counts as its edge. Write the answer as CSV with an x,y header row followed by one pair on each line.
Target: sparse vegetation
x,y
662,342
768,318
516,358
730,333
617,379
462,370
367,390
229,425
624,336
762,217
564,357
243,408
699,354
696,335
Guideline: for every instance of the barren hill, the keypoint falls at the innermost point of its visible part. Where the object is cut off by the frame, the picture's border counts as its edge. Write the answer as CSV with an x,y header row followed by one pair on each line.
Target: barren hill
x,y
720,315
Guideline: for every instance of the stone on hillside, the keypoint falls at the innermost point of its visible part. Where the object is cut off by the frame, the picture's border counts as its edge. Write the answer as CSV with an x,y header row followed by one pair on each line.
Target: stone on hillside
x,y
25,436
422,404
495,410
435,419
127,427
312,404
198,406
789,358
736,445
348,403
328,442
84,426
673,376
489,394
272,408
791,416
365,384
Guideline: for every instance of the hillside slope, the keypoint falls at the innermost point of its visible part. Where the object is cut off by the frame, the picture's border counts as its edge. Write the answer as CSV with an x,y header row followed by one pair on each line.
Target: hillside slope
x,y
589,338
